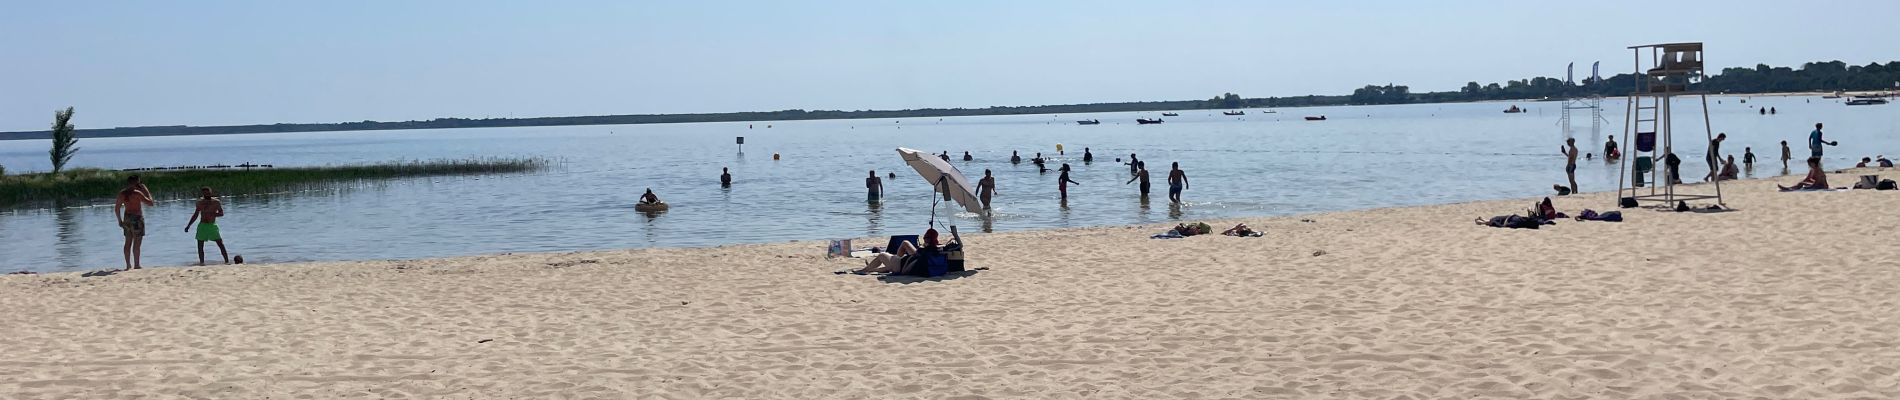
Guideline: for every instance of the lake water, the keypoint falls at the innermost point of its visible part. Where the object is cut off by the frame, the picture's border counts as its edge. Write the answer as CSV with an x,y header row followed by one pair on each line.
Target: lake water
x,y
1252,165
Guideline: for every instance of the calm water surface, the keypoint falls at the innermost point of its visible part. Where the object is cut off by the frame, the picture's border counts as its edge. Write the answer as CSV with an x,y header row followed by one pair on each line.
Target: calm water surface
x,y
1253,165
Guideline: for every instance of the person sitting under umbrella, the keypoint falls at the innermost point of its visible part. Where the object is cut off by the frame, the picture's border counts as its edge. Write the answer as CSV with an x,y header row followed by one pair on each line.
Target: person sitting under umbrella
x,y
893,260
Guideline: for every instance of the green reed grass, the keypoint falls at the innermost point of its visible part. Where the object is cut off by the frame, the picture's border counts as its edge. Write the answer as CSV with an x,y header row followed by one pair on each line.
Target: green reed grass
x,y
84,185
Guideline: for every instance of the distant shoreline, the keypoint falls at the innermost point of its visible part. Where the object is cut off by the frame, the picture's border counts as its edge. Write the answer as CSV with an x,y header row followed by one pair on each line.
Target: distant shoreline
x,y
756,116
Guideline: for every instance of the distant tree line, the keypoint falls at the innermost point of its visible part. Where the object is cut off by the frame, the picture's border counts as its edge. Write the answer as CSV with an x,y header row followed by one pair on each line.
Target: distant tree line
x,y
1814,76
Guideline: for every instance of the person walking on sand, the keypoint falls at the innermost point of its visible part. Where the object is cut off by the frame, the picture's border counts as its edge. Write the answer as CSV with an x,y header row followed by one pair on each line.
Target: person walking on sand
x,y
1177,182
873,188
1570,162
1141,173
206,215
725,177
1063,181
986,188
1715,157
129,209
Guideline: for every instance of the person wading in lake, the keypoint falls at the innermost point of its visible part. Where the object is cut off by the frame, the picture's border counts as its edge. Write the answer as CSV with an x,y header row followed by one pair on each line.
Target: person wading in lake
x,y
1015,158
129,209
874,188
1087,157
986,188
1134,164
1784,156
1570,162
725,177
1063,181
1177,182
1815,141
966,156
1141,174
206,215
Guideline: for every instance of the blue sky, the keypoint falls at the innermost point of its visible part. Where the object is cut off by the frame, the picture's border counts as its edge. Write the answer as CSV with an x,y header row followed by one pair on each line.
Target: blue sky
x,y
243,62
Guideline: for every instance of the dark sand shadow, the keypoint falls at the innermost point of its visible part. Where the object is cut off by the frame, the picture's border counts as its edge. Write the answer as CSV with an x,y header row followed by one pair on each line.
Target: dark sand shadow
x,y
907,279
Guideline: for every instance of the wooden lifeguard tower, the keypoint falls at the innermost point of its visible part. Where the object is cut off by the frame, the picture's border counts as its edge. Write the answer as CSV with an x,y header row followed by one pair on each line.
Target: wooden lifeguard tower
x,y
1648,127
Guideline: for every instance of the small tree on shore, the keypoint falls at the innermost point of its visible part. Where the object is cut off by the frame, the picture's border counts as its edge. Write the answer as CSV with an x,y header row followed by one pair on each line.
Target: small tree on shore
x,y
64,143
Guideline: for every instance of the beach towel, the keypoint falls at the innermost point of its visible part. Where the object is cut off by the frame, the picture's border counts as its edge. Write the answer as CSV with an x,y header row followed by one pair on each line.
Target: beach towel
x,y
1170,234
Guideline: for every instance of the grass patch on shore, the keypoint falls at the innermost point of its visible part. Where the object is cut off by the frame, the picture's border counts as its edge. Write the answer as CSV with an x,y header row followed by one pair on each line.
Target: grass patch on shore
x,y
85,185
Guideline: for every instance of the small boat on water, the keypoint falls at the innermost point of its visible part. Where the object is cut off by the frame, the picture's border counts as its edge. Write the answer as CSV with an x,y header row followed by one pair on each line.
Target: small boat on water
x,y
1837,94
1513,110
1234,112
1145,121
1269,112
1318,118
650,207
1170,114
1089,122
1866,101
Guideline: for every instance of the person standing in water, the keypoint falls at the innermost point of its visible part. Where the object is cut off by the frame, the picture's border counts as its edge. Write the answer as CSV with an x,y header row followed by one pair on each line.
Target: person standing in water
x,y
945,156
1014,158
1609,149
1087,157
1141,174
873,188
209,208
966,156
129,209
1134,164
1815,141
725,177
1570,162
986,188
1063,181
1784,155
1748,158
1042,165
1177,182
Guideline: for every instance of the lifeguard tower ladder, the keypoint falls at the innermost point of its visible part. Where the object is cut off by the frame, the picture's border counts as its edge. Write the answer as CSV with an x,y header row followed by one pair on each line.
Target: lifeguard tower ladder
x,y
1648,127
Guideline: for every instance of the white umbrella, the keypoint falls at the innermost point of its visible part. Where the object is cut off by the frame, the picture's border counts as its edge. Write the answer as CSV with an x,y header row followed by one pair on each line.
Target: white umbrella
x,y
943,177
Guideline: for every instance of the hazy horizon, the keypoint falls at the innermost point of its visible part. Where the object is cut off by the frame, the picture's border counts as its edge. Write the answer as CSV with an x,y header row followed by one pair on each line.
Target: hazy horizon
x,y
233,62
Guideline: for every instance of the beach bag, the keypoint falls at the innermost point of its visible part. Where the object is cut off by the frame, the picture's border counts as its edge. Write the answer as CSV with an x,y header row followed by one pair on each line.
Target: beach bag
x,y
838,249
1626,202
1868,182
1612,216
953,253
1682,206
1885,184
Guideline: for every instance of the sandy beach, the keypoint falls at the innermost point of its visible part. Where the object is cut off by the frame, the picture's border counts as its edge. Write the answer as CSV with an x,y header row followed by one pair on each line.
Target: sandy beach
x,y
1789,297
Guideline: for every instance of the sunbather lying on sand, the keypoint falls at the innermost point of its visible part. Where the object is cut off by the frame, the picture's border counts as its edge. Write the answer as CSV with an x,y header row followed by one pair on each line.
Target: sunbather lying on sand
x,y
893,259
1240,230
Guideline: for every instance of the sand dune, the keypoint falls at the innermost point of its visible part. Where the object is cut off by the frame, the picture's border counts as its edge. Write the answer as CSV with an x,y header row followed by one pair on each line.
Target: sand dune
x,y
1792,296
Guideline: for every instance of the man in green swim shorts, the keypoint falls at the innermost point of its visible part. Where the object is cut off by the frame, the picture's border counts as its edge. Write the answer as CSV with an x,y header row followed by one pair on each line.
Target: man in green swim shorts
x,y
210,209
